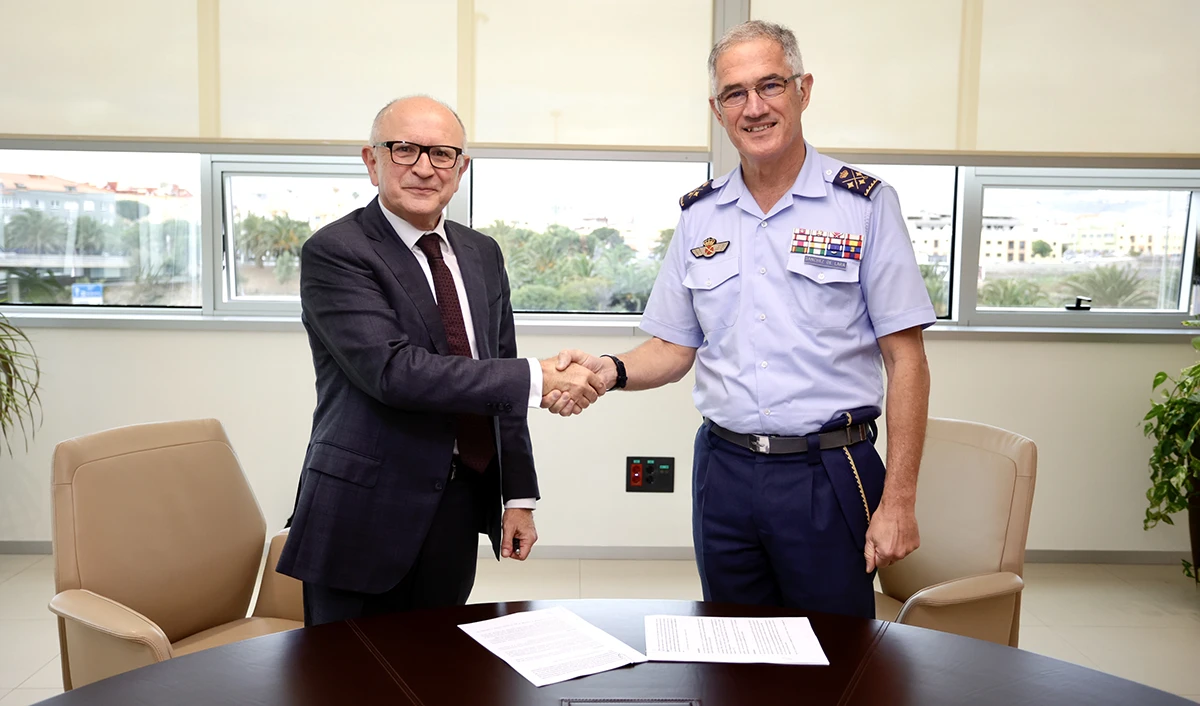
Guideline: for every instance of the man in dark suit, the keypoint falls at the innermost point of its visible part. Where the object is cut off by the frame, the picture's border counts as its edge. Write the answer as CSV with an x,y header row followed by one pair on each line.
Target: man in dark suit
x,y
420,429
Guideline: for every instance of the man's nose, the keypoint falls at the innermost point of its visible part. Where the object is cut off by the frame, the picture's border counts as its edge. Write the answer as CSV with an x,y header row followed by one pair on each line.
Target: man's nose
x,y
423,167
755,105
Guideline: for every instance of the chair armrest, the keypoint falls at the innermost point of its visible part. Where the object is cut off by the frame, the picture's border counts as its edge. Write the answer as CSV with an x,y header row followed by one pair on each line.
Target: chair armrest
x,y
279,596
982,606
106,638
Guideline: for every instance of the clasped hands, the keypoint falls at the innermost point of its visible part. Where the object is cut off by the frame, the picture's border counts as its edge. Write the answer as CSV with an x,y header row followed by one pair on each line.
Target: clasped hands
x,y
573,380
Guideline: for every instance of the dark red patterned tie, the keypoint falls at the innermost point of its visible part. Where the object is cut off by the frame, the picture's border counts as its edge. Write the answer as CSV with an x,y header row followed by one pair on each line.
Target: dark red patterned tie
x,y
476,443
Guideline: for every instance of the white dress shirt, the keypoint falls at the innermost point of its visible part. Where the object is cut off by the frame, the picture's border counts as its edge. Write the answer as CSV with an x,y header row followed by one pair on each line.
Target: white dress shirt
x,y
410,235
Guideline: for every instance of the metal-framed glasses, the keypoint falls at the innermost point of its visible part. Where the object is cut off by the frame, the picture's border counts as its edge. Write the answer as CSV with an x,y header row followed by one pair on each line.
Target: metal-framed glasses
x,y
766,88
407,153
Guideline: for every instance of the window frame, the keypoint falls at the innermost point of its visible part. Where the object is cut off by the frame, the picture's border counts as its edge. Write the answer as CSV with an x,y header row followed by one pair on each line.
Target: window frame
x,y
974,172
977,179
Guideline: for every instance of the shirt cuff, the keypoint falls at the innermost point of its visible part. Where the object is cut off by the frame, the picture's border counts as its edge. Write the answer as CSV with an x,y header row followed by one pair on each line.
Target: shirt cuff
x,y
535,384
521,504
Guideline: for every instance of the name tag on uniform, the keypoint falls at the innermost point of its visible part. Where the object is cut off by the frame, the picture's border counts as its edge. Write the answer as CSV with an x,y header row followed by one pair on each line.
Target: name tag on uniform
x,y
830,244
824,262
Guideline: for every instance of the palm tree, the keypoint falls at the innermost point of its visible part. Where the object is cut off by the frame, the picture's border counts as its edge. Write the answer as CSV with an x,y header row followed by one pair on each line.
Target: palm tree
x,y
91,236
1011,292
285,234
1112,287
252,238
938,285
32,231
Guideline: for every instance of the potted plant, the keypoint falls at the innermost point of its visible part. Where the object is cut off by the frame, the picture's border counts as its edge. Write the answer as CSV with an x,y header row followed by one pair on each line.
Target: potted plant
x,y
1174,424
20,407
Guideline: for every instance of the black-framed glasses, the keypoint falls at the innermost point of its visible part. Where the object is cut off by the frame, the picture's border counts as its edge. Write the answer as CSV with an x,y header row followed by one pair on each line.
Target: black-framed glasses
x,y
766,88
407,153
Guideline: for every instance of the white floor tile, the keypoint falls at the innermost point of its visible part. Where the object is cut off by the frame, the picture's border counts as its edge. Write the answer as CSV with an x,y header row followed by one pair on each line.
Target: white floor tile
x,y
26,697
1095,598
48,677
531,580
13,564
26,595
25,647
674,580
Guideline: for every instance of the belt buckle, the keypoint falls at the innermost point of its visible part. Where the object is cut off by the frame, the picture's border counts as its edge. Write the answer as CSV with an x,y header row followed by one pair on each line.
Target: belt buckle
x,y
760,444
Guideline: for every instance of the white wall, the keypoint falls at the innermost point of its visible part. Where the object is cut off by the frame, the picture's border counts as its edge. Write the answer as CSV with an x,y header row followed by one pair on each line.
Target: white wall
x,y
1081,402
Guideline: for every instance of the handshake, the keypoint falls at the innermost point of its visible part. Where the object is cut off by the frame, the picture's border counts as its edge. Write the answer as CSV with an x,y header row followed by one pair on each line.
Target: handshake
x,y
574,380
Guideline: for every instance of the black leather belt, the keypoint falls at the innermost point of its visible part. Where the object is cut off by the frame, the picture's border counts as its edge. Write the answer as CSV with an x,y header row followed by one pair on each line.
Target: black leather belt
x,y
765,444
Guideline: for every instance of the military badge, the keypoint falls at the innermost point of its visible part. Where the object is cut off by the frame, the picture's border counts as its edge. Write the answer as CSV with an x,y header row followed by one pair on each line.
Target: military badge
x,y
827,244
710,247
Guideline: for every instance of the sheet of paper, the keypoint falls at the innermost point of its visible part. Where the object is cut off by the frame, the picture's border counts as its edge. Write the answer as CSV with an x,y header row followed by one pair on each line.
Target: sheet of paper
x,y
685,638
552,645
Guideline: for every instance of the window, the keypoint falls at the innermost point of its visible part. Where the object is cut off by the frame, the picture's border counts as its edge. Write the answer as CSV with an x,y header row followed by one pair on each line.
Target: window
x,y
89,205
580,236
55,205
144,253
269,217
1093,243
927,200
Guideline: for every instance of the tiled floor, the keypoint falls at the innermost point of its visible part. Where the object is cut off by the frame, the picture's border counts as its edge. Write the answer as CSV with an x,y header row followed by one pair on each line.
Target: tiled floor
x,y
1137,622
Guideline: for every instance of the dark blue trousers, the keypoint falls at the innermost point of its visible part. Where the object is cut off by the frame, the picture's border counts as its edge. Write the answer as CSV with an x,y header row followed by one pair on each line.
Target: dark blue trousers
x,y
785,530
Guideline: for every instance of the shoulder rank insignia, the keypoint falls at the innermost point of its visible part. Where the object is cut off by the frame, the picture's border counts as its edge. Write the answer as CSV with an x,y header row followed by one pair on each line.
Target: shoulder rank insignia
x,y
856,181
710,247
695,195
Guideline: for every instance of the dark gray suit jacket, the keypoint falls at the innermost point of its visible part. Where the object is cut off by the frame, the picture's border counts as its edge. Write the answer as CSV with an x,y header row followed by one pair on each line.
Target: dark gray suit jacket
x,y
387,392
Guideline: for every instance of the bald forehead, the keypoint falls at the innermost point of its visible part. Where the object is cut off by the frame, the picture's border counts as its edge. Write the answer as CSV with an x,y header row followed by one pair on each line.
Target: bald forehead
x,y
428,117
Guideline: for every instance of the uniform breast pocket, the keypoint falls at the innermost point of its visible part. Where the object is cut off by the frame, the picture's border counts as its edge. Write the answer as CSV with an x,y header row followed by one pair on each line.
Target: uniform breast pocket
x,y
825,291
716,293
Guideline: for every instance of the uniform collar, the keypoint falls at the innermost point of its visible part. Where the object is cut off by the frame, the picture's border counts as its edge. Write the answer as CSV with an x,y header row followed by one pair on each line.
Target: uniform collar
x,y
410,234
810,183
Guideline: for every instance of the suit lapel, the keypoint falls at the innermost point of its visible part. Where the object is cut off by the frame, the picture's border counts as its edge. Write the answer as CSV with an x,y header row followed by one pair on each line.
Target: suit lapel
x,y
471,266
403,264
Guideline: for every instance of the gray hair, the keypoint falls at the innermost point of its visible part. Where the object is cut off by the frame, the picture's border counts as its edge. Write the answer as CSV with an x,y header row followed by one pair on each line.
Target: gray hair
x,y
749,31
374,137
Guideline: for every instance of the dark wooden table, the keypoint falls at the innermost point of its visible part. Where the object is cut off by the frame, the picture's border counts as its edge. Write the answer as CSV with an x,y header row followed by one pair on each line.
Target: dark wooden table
x,y
423,659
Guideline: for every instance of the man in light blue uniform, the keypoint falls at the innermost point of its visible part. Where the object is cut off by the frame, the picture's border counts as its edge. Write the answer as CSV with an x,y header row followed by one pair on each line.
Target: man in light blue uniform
x,y
787,282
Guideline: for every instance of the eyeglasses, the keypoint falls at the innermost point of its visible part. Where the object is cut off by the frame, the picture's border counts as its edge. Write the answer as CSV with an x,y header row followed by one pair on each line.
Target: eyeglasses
x,y
407,154
767,88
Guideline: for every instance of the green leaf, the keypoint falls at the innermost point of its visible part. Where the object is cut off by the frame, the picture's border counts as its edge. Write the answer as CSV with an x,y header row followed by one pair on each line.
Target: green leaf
x,y
1196,343
1161,377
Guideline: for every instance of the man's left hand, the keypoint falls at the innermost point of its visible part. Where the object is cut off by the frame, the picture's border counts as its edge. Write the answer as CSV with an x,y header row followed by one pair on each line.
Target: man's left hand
x,y
892,535
518,524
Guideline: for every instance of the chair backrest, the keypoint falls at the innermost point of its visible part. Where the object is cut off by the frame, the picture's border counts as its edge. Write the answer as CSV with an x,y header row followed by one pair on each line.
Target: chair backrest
x,y
160,518
974,495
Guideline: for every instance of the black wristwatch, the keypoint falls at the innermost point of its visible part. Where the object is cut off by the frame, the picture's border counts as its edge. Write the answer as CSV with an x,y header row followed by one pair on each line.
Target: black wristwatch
x,y
621,379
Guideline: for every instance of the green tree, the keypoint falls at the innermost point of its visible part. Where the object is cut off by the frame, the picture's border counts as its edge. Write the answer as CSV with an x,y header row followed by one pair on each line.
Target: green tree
x,y
32,231
286,267
29,285
286,235
1042,249
664,242
253,239
937,283
177,243
536,297
132,210
91,236
1011,292
1111,287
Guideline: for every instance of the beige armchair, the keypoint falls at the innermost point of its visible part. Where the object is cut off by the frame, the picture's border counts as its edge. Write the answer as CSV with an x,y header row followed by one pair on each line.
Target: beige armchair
x,y
157,546
974,494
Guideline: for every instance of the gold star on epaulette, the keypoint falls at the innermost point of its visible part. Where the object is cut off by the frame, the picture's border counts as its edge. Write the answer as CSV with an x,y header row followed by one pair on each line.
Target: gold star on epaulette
x,y
856,181
695,195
